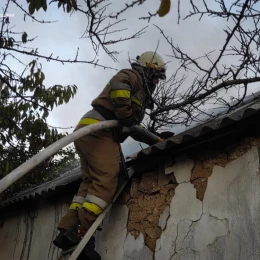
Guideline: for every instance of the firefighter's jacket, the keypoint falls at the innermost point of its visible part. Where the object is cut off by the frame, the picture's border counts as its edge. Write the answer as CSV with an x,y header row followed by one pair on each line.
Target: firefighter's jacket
x,y
123,96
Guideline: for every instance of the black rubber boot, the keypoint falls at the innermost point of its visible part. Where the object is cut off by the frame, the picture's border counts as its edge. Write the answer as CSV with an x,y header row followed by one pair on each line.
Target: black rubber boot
x,y
74,236
61,242
89,253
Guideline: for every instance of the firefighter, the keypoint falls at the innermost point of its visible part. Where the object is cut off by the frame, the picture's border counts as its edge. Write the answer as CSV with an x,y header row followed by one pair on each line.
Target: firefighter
x,y
125,98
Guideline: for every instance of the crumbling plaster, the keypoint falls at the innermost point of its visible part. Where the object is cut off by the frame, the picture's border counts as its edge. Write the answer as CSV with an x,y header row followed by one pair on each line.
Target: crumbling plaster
x,y
194,208
170,216
225,225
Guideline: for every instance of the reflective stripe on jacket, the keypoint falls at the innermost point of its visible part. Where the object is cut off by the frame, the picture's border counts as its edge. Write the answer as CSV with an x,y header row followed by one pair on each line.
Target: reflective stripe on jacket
x,y
123,96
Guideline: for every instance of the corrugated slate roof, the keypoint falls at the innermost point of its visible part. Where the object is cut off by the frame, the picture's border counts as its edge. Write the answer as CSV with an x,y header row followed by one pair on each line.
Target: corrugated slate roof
x,y
250,107
245,110
63,180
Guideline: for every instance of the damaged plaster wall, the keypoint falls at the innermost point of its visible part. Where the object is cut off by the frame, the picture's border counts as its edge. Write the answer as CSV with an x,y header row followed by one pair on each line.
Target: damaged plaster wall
x,y
225,225
27,234
193,209
188,209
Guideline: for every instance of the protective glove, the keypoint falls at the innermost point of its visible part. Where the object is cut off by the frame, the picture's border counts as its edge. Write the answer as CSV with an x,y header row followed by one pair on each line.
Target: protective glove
x,y
166,134
128,121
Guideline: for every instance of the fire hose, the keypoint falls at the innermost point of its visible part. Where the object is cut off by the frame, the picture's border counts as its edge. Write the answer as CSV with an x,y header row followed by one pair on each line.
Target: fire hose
x,y
20,171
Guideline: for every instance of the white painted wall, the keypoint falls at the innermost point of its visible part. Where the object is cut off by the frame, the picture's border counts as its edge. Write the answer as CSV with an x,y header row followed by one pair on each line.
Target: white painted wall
x,y
224,226
28,235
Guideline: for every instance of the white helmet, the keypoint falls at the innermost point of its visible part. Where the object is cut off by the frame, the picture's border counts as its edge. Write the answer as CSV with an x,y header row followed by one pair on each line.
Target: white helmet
x,y
152,60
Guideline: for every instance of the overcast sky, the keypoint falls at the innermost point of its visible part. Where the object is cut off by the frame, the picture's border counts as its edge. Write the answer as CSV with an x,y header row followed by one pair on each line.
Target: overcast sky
x,y
63,38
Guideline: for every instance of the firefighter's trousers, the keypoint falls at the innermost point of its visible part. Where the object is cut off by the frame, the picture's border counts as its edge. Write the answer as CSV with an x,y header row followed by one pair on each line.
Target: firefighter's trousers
x,y
100,161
